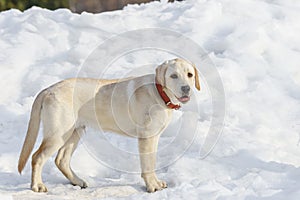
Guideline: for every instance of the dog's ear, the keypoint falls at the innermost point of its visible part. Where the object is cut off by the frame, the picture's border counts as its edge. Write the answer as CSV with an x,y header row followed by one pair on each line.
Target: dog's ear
x,y
197,83
161,73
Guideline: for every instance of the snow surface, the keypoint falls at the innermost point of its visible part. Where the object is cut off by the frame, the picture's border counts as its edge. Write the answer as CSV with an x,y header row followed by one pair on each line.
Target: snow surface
x,y
255,46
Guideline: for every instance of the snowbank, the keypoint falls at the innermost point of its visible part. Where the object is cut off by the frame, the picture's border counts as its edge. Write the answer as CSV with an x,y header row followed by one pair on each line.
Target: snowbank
x,y
255,46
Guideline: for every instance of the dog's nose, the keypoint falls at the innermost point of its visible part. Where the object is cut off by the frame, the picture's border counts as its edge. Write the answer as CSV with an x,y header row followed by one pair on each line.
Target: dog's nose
x,y
185,89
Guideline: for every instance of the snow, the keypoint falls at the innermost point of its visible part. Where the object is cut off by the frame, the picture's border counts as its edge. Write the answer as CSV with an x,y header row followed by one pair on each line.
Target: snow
x,y
254,45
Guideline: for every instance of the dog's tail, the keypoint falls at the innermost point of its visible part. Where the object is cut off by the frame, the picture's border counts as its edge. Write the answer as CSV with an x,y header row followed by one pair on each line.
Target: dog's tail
x,y
32,131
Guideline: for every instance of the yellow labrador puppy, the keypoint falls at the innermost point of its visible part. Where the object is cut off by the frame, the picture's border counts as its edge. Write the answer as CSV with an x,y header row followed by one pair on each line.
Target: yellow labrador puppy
x,y
139,107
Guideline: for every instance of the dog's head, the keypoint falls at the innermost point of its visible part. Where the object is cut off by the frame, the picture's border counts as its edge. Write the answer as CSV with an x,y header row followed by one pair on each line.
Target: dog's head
x,y
178,76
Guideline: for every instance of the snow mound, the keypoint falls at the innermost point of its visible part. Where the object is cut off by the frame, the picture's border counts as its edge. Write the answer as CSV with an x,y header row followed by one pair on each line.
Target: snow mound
x,y
255,46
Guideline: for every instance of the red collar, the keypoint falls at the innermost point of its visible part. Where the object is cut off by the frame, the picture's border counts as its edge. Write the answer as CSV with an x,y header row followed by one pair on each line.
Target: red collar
x,y
165,97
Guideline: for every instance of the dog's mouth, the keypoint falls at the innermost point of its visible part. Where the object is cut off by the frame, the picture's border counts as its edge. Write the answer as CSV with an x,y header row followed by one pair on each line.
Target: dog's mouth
x,y
184,99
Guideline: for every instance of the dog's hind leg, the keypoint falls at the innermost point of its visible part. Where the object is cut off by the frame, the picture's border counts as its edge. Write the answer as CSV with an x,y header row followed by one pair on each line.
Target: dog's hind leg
x,y
63,158
48,147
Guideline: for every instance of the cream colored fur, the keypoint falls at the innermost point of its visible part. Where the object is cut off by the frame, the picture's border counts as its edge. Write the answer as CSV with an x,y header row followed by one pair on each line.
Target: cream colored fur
x,y
131,107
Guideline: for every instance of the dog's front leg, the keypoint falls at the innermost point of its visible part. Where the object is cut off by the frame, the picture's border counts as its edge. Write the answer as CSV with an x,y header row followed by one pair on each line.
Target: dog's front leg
x,y
148,149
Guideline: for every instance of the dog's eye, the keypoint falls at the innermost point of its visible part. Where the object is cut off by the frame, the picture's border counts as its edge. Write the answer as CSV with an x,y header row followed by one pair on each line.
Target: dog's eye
x,y
190,75
174,76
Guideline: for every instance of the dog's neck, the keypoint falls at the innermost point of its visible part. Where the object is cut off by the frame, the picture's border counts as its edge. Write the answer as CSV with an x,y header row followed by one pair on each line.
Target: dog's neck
x,y
165,97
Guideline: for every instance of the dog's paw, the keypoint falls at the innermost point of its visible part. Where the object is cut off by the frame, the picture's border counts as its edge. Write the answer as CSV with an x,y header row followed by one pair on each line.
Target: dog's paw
x,y
153,184
80,183
83,185
39,187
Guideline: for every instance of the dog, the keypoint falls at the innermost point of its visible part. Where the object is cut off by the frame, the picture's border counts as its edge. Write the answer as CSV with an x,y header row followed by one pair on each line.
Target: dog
x,y
139,107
